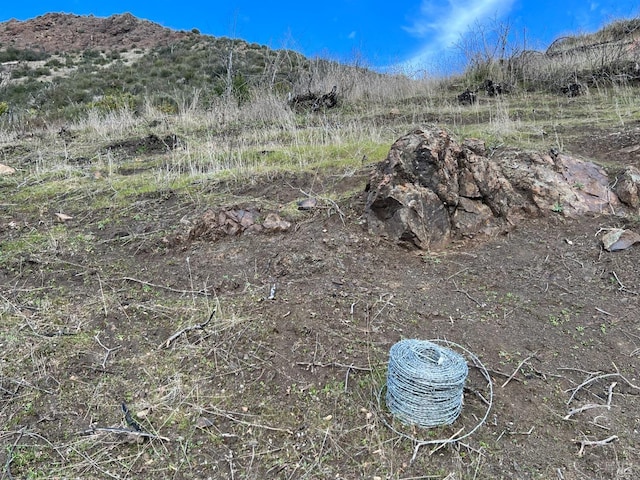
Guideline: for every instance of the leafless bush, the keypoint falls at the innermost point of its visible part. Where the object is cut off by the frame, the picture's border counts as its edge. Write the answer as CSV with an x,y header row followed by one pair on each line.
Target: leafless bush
x,y
607,57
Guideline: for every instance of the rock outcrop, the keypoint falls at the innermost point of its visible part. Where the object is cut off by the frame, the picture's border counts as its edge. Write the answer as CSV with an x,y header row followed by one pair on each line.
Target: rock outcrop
x,y
430,189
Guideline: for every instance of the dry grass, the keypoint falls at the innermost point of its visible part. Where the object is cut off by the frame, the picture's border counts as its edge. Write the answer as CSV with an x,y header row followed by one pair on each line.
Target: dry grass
x,y
83,317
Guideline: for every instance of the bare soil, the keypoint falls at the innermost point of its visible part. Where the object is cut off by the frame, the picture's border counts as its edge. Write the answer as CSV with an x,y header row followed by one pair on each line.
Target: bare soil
x,y
284,381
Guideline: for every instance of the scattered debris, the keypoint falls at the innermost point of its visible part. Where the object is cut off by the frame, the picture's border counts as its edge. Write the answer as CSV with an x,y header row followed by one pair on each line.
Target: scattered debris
x,y
494,89
314,101
572,89
214,225
467,97
147,145
273,223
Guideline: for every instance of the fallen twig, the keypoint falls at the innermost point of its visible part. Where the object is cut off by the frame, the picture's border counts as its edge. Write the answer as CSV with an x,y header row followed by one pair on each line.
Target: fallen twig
x,y
481,305
109,350
94,430
589,406
170,289
198,326
515,372
457,273
7,465
333,364
438,447
623,288
594,443
600,377
243,422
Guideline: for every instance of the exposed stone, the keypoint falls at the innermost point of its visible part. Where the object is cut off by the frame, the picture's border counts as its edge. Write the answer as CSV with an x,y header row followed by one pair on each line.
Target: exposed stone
x,y
619,239
6,170
273,223
430,189
213,225
627,186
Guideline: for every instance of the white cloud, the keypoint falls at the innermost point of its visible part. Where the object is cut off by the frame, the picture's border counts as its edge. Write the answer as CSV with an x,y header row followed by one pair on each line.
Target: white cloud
x,y
352,35
441,24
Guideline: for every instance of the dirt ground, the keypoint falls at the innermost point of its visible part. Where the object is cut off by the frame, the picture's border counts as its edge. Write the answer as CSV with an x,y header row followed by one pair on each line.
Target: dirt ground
x,y
284,381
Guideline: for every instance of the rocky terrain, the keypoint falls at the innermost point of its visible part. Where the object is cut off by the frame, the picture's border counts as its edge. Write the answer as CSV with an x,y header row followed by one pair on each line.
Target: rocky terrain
x,y
61,32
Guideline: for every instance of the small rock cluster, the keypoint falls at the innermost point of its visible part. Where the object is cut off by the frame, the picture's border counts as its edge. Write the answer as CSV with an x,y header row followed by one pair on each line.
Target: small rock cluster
x,y
214,225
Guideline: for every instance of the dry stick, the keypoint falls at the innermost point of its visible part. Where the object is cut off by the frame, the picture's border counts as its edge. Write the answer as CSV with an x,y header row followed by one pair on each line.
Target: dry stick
x,y
456,274
334,364
594,443
622,286
589,406
250,424
599,377
481,305
602,311
109,350
515,372
176,290
328,200
7,465
94,430
104,301
199,326
438,447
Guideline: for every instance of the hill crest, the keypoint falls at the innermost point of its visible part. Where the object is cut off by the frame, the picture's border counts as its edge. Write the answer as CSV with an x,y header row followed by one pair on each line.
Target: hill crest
x,y
62,32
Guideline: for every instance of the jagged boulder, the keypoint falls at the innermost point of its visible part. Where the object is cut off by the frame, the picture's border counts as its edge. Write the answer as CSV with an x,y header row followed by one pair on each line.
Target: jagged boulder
x,y
430,189
627,186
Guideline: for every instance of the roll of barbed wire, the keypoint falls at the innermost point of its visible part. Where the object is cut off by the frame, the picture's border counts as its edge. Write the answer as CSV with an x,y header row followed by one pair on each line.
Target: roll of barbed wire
x,y
425,383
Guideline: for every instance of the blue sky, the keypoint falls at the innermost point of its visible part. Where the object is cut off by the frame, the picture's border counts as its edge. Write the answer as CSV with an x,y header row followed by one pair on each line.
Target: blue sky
x,y
407,35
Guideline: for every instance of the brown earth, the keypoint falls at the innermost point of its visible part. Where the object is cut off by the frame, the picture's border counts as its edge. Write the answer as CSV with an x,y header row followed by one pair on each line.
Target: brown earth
x,y
61,32
284,382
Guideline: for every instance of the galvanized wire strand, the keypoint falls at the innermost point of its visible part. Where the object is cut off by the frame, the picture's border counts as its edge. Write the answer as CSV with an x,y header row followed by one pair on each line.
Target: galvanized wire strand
x,y
458,436
425,383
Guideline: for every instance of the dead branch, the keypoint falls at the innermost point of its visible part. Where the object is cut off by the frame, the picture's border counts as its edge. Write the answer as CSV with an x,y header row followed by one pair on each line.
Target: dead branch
x,y
94,430
7,465
170,289
515,372
328,200
106,355
243,422
481,305
623,288
333,364
589,406
198,326
600,377
594,443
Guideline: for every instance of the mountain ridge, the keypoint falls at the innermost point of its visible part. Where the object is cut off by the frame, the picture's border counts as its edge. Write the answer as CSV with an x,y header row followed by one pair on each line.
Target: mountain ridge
x,y
65,32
